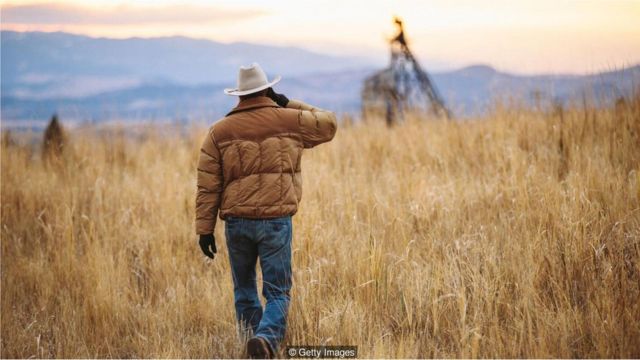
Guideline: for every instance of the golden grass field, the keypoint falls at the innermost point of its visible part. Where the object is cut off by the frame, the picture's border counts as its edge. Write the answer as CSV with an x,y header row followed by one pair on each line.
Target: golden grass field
x,y
514,236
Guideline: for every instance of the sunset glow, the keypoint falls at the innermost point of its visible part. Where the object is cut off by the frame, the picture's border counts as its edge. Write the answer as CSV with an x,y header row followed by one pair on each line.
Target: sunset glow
x,y
569,36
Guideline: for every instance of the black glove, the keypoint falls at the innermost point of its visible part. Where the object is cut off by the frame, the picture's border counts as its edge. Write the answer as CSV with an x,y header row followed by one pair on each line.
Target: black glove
x,y
207,241
278,98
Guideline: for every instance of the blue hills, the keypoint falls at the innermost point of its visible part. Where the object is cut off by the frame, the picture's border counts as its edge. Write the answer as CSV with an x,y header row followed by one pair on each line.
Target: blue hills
x,y
181,79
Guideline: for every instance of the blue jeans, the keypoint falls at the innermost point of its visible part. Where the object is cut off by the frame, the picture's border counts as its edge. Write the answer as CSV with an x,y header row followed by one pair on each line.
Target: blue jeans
x,y
270,241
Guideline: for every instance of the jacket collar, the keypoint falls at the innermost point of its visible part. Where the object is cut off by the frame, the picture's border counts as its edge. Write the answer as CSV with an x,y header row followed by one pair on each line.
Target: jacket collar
x,y
253,103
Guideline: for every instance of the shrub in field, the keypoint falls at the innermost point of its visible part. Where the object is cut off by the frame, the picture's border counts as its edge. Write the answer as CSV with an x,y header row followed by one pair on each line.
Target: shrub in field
x,y
54,140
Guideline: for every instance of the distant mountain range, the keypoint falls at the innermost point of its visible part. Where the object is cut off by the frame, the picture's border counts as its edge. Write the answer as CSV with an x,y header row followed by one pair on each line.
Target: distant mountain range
x,y
177,78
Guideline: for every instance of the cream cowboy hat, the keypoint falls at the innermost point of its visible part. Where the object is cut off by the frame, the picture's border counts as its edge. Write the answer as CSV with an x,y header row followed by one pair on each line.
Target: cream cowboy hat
x,y
251,79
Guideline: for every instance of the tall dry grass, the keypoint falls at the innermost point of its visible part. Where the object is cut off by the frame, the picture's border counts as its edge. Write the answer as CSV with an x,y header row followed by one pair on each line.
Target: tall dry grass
x,y
514,236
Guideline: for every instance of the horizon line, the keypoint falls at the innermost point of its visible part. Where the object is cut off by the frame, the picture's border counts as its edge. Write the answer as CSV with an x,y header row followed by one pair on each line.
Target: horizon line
x,y
372,58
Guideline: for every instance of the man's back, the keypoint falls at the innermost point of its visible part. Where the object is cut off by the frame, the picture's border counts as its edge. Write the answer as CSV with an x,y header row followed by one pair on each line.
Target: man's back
x,y
251,160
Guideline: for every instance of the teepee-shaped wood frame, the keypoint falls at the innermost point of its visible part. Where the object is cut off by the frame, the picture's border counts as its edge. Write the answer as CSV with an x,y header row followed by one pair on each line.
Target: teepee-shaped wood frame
x,y
402,86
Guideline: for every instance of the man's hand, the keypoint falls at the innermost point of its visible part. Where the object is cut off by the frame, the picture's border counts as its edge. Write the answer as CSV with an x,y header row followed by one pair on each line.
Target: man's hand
x,y
208,241
278,98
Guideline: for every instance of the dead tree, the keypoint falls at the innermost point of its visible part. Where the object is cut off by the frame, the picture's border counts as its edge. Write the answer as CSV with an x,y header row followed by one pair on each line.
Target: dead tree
x,y
402,86
54,140
7,139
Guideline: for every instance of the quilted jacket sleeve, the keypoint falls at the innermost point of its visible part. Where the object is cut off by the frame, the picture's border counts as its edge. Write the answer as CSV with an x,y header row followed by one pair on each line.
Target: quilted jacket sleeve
x,y
210,184
317,126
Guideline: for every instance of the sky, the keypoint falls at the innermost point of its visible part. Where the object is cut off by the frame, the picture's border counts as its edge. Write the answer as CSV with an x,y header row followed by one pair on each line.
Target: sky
x,y
520,36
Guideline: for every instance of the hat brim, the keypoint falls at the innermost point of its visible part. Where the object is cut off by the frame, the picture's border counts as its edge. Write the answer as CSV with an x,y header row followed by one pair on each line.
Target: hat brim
x,y
236,92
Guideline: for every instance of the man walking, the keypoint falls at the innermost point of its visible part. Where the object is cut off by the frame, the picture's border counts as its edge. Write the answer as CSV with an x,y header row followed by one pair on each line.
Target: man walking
x,y
249,172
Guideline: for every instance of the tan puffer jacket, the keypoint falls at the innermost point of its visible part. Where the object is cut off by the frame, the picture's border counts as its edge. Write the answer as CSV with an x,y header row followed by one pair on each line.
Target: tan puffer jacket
x,y
249,162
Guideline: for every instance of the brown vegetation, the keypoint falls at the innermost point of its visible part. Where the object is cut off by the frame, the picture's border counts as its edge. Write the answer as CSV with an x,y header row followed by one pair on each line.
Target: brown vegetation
x,y
514,236
54,140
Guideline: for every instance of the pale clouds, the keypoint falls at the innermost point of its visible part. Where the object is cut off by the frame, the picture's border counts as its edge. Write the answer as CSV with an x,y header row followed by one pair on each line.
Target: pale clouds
x,y
529,36
123,14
